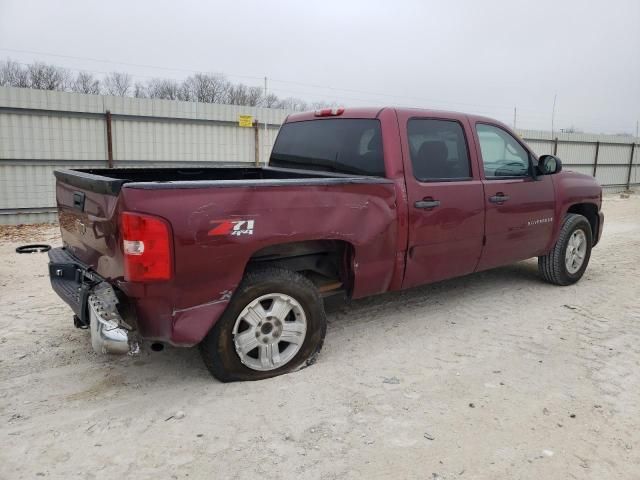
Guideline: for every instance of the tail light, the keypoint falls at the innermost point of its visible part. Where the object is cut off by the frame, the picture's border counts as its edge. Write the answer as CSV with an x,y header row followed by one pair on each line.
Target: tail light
x,y
329,112
146,245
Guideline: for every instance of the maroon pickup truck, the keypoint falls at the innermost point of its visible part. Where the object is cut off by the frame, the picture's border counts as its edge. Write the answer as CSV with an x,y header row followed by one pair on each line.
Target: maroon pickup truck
x,y
354,202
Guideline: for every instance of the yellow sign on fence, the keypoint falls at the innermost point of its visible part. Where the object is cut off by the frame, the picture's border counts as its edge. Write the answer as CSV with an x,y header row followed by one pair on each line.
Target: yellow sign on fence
x,y
245,120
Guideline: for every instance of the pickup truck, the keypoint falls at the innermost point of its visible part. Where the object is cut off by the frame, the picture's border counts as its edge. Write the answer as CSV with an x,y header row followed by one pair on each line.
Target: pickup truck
x,y
354,202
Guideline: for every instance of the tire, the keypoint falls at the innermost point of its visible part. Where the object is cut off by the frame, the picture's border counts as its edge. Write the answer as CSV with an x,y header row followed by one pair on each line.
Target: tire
x,y
220,349
553,266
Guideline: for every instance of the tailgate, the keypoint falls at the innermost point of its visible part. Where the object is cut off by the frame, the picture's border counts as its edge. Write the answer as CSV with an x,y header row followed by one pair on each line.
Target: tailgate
x,y
88,215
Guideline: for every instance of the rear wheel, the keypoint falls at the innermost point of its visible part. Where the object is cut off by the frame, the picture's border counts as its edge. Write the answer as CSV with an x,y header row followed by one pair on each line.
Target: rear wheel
x,y
274,324
567,261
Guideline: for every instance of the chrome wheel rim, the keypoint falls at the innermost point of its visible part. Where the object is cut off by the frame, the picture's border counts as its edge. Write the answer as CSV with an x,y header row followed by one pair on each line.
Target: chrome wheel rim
x,y
269,331
576,251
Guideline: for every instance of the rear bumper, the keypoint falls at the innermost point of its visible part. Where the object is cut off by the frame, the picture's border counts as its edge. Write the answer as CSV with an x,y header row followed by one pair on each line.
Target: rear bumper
x,y
72,281
94,303
142,312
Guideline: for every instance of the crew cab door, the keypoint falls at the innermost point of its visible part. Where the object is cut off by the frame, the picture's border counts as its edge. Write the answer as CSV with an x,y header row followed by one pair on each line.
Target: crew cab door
x,y
445,198
519,207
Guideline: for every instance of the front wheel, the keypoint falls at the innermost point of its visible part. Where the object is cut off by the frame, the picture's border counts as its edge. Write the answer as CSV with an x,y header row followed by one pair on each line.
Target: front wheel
x,y
275,323
566,262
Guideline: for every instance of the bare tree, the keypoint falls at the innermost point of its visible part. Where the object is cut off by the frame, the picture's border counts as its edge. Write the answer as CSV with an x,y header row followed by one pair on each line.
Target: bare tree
x,y
201,87
12,74
85,83
140,90
254,96
241,94
117,84
236,94
270,101
292,103
47,77
204,87
163,88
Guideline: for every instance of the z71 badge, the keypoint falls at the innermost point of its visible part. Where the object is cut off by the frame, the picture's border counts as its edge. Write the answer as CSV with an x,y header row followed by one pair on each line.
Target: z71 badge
x,y
232,227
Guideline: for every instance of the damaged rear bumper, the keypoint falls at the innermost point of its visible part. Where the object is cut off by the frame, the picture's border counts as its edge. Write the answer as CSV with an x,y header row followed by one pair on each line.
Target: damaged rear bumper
x,y
109,332
94,302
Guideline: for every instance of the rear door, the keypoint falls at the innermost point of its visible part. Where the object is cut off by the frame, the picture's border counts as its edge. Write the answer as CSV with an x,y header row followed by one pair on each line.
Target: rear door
x,y
445,198
519,207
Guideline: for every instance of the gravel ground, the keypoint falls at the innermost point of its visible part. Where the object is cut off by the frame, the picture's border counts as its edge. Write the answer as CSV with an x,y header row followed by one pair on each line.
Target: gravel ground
x,y
495,375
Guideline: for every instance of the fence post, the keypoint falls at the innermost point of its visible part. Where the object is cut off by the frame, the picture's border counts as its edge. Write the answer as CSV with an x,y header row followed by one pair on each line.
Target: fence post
x,y
595,159
555,146
256,141
633,147
109,140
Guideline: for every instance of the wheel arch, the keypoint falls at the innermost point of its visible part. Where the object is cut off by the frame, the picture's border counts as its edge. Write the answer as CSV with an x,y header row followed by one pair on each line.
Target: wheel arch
x,y
590,212
326,262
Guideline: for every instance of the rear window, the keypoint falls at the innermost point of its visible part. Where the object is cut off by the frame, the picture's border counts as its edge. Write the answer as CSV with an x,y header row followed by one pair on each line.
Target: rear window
x,y
343,145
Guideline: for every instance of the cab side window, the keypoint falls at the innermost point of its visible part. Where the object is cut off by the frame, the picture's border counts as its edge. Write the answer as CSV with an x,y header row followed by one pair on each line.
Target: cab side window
x,y
502,154
438,150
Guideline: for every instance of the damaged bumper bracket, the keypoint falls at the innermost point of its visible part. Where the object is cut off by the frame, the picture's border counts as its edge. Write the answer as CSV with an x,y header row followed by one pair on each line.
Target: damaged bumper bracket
x,y
94,303
109,332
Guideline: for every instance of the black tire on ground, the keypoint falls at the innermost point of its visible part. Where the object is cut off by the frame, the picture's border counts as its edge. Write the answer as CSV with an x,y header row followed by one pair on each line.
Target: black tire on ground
x,y
218,348
552,266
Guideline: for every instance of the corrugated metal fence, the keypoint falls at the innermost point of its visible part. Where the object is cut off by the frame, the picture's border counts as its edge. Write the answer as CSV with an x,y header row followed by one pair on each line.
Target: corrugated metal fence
x,y
42,130
613,160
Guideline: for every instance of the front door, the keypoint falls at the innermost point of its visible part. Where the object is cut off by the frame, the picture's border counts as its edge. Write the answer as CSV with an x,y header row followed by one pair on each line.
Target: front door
x,y
445,197
519,207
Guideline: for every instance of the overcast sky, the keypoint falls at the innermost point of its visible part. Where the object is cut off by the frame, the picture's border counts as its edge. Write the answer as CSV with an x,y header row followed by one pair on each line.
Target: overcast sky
x,y
473,56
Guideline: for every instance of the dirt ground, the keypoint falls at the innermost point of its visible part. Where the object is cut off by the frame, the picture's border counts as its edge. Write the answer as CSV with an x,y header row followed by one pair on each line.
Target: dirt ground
x,y
495,375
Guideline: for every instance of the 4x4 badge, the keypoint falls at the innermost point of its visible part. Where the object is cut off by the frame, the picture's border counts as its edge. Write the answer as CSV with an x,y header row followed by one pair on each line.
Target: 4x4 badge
x,y
232,227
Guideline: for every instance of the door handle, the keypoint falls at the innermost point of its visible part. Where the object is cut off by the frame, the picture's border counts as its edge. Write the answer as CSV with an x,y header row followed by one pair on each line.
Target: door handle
x,y
427,204
499,198
78,201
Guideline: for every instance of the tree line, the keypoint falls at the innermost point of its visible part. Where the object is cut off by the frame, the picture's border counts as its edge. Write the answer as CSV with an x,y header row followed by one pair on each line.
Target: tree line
x,y
200,87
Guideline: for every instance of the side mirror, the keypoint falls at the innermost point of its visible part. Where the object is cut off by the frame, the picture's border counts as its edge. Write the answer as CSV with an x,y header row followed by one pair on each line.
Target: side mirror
x,y
548,165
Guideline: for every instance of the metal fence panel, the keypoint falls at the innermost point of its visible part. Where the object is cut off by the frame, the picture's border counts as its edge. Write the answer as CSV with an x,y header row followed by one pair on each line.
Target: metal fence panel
x,y
51,137
18,218
540,147
580,153
615,154
30,185
612,174
164,141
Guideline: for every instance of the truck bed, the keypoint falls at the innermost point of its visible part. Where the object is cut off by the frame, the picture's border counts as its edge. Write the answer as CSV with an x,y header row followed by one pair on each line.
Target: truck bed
x,y
276,206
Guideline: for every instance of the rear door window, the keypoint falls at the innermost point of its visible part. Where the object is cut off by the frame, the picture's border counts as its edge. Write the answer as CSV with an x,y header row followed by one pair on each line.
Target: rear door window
x,y
438,150
342,145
